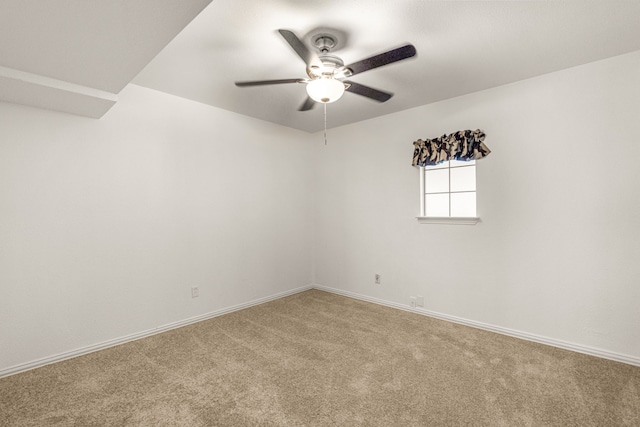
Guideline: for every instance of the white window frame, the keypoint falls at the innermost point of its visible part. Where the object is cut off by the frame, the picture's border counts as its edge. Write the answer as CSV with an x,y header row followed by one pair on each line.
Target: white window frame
x,y
424,219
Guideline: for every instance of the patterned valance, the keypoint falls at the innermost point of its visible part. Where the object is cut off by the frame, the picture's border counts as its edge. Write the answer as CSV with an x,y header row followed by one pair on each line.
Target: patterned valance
x,y
463,145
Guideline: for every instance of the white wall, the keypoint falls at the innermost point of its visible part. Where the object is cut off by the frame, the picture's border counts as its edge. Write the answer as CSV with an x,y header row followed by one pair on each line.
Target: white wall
x,y
557,253
106,224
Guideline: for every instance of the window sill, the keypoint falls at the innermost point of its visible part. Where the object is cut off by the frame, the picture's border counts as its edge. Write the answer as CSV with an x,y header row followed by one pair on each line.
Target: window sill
x,y
448,220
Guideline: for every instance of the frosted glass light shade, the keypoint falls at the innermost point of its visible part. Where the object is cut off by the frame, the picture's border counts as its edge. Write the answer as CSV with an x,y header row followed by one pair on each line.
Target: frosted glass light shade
x,y
325,90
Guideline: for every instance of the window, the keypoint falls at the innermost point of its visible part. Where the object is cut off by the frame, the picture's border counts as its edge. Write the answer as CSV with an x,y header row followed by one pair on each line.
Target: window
x,y
448,192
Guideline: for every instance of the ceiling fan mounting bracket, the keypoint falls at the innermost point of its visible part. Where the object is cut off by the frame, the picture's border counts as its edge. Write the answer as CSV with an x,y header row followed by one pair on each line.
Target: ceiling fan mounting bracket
x,y
325,42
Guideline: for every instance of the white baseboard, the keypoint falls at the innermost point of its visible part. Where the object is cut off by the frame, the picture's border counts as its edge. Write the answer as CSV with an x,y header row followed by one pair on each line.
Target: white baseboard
x,y
117,341
630,360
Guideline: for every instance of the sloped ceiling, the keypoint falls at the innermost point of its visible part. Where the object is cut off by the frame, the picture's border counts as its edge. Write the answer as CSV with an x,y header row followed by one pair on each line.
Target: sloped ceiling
x,y
76,55
463,47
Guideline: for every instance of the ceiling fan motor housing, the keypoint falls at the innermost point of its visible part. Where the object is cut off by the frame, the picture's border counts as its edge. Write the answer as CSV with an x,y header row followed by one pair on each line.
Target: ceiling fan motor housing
x,y
330,63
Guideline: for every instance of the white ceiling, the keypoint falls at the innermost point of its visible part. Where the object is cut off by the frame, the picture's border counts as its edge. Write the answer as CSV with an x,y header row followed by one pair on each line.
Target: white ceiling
x,y
463,47
77,55
93,49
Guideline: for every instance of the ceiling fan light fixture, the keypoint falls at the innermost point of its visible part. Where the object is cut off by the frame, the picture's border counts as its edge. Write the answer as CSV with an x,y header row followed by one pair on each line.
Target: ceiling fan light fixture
x,y
325,89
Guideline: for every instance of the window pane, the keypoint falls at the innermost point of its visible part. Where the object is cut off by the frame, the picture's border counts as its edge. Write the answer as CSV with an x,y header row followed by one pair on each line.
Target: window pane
x,y
463,204
436,181
458,163
437,204
463,179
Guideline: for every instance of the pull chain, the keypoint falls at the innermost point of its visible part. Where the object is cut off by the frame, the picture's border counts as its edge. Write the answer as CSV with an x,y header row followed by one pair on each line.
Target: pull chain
x,y
325,123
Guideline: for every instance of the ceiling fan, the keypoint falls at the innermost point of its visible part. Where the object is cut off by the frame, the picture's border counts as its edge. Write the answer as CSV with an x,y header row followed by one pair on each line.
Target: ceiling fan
x,y
327,73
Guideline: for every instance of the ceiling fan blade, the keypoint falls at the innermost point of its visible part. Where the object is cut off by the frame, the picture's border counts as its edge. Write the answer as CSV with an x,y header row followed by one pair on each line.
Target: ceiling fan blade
x,y
309,57
307,104
269,82
376,61
369,92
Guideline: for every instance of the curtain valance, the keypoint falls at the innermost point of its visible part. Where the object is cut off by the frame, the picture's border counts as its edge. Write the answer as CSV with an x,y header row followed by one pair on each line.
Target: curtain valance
x,y
464,145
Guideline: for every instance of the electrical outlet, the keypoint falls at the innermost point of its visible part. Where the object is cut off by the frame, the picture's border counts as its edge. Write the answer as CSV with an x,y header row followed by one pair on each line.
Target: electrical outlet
x,y
195,292
420,301
412,301
377,279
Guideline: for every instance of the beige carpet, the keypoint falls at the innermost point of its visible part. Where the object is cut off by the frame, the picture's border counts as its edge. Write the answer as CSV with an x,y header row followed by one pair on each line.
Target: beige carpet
x,y
318,359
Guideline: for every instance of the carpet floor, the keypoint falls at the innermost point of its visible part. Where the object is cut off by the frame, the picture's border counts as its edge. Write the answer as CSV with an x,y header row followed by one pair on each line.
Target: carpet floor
x,y
319,359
